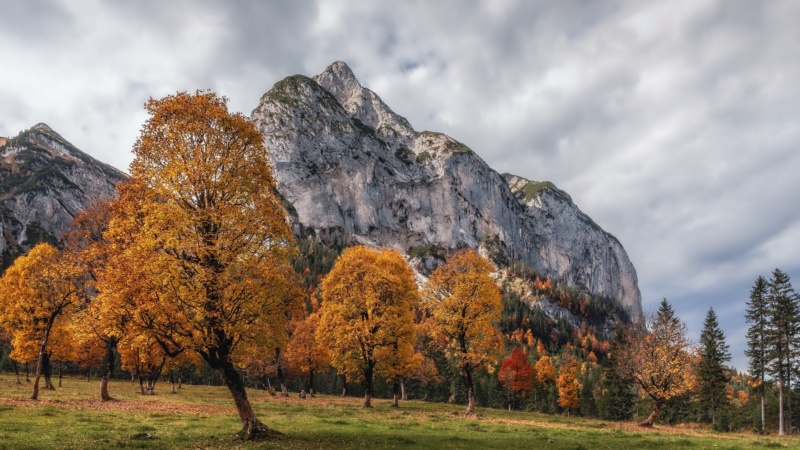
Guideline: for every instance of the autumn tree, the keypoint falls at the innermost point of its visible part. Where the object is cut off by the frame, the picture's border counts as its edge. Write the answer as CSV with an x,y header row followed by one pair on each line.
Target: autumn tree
x,y
304,352
210,239
545,372
366,313
88,353
567,383
143,356
97,321
658,359
712,375
463,307
516,375
757,316
402,361
36,293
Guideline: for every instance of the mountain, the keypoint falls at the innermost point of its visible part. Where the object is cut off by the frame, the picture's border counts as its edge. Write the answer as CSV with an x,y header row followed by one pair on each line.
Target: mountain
x,y
44,182
353,171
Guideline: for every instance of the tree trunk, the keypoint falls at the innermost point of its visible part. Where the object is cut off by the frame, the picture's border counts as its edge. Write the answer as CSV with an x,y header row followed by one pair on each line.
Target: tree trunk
x,y
470,390
396,394
88,375
16,370
311,382
141,383
60,373
26,373
780,406
107,371
368,371
172,381
180,379
42,355
252,428
344,386
279,369
763,411
652,418
47,371
403,395
788,426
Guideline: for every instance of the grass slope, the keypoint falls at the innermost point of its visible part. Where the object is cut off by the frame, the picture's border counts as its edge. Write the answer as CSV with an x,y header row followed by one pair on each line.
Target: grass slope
x,y
204,417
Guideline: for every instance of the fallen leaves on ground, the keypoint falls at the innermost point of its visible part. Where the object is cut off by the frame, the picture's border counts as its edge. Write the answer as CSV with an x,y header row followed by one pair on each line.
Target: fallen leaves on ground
x,y
153,407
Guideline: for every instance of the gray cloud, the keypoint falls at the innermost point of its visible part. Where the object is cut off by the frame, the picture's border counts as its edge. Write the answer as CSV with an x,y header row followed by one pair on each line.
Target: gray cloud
x,y
673,124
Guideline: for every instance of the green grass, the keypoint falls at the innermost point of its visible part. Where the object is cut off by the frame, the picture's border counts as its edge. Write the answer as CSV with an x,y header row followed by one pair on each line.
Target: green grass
x,y
204,417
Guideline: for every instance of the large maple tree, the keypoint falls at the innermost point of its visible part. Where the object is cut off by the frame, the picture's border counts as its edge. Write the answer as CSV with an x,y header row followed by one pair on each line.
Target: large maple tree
x,y
366,314
463,307
204,267
37,293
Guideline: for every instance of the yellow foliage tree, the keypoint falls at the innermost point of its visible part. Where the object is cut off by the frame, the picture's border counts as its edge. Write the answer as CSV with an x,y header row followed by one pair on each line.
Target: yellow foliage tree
x,y
545,372
567,383
304,352
658,359
98,323
463,307
88,352
366,313
39,291
208,240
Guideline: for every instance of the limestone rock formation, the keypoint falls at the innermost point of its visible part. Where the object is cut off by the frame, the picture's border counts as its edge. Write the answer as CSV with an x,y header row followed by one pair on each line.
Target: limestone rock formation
x,y
354,171
44,182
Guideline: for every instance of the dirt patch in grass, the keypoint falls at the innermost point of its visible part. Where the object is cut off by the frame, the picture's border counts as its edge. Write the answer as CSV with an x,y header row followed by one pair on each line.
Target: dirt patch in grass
x,y
153,407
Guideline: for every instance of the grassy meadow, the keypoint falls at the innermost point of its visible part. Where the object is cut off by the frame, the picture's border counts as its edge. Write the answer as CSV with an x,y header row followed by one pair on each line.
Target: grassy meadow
x,y
204,417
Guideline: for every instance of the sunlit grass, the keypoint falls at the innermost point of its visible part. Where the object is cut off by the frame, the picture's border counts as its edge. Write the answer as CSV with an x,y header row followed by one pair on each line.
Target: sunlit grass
x,y
204,417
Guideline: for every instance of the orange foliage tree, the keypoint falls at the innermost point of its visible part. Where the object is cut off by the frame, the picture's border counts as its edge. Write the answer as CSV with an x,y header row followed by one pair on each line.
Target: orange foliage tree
x,y
567,383
658,359
98,323
463,307
209,242
88,353
366,313
516,375
304,353
143,356
37,294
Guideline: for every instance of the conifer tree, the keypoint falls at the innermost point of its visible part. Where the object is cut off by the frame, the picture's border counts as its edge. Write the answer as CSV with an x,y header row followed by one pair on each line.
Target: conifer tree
x,y
757,349
712,375
783,311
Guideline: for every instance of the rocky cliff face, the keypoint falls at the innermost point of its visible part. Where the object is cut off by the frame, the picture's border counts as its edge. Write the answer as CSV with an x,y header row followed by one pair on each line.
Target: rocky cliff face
x,y
354,171
44,182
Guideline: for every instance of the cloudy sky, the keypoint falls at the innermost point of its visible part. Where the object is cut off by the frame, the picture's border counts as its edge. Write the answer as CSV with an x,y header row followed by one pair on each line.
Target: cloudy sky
x,y
674,124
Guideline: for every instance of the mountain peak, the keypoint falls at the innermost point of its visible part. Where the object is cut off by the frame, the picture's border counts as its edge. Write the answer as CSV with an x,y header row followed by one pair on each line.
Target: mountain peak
x,y
363,104
42,127
338,73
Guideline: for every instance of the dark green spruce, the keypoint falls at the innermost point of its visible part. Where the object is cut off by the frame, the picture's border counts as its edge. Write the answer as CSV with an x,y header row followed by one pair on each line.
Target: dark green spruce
x,y
757,315
712,375
783,312
617,398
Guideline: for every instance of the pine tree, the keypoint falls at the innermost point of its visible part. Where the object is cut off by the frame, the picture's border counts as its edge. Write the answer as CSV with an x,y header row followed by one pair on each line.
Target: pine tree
x,y
757,349
712,375
782,315
617,399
